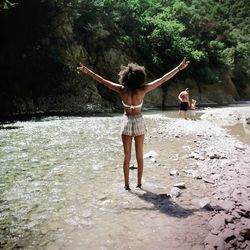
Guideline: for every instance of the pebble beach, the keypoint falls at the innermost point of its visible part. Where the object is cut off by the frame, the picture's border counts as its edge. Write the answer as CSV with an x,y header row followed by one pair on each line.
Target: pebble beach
x,y
220,159
62,183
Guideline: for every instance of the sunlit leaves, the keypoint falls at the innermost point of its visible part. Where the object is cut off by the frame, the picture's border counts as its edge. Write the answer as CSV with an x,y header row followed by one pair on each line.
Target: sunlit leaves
x,y
7,5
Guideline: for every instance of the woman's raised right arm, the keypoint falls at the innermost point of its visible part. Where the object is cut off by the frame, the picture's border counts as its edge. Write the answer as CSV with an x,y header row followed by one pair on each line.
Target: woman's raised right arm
x,y
111,85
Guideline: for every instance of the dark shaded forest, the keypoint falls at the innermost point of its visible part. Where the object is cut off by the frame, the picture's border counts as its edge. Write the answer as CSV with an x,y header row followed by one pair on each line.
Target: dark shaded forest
x,y
42,42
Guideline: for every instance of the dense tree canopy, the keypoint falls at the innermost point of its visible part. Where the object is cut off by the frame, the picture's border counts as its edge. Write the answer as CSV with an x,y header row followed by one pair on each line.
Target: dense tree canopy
x,y
214,35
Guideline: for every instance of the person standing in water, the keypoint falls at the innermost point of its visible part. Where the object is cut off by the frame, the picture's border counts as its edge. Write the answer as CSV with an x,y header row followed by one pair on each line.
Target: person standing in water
x,y
185,103
193,108
132,89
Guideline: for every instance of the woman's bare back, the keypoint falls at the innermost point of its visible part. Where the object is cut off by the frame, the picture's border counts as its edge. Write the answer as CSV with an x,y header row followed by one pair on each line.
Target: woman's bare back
x,y
132,99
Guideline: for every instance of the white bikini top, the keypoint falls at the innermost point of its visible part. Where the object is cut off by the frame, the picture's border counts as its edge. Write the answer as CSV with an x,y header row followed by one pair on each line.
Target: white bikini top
x,y
132,106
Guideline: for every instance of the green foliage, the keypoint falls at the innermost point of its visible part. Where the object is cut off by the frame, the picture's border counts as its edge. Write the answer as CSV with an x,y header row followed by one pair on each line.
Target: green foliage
x,y
228,56
208,75
212,34
6,5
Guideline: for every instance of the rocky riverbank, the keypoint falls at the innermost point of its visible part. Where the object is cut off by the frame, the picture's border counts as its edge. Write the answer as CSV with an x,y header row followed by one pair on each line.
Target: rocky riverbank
x,y
227,165
221,160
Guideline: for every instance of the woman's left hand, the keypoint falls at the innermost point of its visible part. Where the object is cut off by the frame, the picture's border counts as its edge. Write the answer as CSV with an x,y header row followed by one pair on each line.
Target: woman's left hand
x,y
83,68
183,64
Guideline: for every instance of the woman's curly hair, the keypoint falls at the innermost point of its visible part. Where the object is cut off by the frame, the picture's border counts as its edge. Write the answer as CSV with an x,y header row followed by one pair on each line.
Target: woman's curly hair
x,y
133,76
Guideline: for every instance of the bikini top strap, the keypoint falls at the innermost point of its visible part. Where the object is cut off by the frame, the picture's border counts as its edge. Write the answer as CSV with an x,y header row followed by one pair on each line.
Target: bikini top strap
x,y
132,106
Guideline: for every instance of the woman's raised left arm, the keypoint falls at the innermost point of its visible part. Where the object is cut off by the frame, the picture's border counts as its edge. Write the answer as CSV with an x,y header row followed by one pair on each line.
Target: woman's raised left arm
x,y
156,83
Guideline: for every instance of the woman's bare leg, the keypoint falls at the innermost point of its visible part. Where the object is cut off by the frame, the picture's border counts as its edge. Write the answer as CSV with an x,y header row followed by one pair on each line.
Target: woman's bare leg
x,y
127,142
139,140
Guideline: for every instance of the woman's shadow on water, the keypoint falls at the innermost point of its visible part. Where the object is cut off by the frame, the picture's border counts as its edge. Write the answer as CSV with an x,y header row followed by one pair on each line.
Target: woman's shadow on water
x,y
164,204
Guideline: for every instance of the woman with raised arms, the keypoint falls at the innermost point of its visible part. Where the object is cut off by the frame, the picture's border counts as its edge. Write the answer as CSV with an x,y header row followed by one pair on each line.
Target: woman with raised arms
x,y
132,89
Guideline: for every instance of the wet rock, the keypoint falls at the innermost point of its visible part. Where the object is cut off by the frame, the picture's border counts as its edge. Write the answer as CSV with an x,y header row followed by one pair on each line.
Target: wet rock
x,y
150,154
214,156
248,120
196,156
216,207
174,172
228,218
228,235
226,205
205,203
245,222
185,147
244,245
217,222
198,177
245,208
245,233
215,242
208,207
193,154
193,173
180,185
239,147
189,172
215,177
132,167
199,135
215,232
238,233
241,196
175,192
231,226
236,214
208,181
153,160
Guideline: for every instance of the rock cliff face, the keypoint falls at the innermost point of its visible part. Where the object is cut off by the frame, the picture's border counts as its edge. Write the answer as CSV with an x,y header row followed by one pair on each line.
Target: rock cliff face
x,y
79,94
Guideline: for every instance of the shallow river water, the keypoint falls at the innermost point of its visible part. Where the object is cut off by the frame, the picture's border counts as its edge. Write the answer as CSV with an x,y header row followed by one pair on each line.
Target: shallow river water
x,y
61,187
